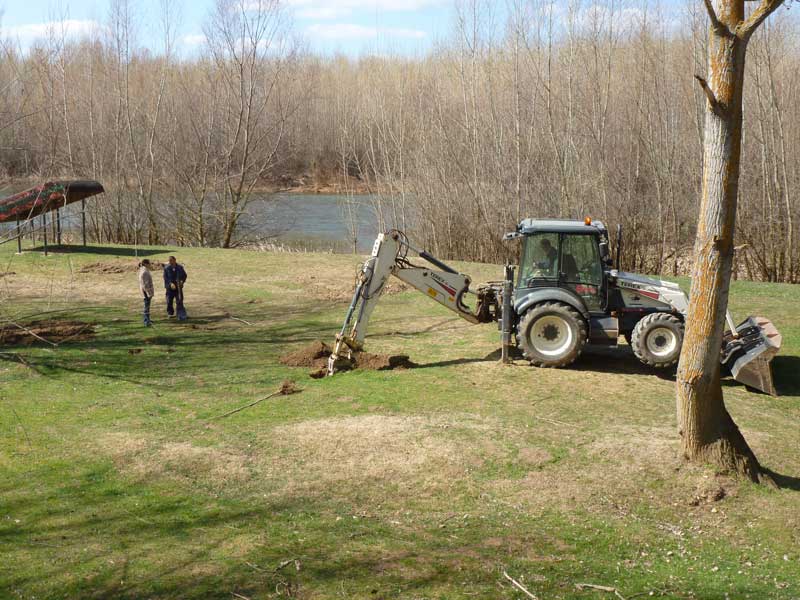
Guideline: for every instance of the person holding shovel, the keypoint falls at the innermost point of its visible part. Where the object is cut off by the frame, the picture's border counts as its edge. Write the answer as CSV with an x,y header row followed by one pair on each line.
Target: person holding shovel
x,y
174,278
146,287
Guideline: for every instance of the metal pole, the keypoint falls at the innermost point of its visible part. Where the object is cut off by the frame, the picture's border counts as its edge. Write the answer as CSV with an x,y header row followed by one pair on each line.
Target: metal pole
x,y
58,225
505,318
83,220
19,238
44,231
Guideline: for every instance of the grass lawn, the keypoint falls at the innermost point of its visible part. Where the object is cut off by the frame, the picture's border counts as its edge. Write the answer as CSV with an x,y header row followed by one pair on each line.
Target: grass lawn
x,y
117,482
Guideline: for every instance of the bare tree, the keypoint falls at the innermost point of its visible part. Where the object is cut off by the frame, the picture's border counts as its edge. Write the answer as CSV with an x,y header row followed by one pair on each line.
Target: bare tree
x,y
251,49
708,432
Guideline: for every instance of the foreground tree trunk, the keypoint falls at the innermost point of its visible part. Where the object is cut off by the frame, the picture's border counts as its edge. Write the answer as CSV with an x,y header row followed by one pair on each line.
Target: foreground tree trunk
x,y
709,434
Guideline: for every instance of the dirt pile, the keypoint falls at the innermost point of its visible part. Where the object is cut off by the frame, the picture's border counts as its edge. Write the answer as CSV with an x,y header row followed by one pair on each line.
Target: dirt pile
x,y
51,331
113,268
315,356
382,362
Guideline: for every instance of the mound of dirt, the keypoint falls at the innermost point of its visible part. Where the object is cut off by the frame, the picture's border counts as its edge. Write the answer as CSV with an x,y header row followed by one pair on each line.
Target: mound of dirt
x,y
112,268
316,354
51,331
382,362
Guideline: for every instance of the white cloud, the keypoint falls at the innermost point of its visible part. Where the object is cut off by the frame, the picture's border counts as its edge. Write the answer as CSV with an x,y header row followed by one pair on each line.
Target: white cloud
x,y
333,9
192,40
601,18
72,28
351,31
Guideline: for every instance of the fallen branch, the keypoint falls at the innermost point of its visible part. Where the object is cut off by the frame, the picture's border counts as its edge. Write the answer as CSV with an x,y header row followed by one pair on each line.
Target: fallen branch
x,y
287,388
235,595
519,586
255,567
25,431
600,588
240,320
29,332
553,421
19,358
286,563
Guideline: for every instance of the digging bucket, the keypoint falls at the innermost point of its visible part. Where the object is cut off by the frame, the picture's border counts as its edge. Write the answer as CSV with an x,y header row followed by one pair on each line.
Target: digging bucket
x,y
747,353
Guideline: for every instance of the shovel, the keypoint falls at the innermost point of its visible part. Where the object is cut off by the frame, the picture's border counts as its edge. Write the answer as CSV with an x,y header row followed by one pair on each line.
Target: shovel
x,y
748,349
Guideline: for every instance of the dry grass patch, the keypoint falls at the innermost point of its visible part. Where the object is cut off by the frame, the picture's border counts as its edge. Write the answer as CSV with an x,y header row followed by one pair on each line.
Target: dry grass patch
x,y
625,466
332,287
371,449
147,459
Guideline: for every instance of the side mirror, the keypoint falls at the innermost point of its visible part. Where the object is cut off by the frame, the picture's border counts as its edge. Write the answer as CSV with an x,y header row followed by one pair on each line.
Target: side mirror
x,y
604,253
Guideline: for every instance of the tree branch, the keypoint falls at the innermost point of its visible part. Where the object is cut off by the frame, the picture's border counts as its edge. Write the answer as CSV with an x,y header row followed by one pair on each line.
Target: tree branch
x,y
718,26
716,106
746,28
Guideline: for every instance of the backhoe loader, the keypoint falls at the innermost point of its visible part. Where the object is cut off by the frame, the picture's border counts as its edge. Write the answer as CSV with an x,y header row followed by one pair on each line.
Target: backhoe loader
x,y
566,293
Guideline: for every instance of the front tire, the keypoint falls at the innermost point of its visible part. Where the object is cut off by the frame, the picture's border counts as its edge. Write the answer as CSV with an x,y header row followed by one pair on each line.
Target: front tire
x,y
552,335
657,340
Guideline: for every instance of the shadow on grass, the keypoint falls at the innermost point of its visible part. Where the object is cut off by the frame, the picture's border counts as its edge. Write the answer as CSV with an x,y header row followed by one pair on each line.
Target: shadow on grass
x,y
126,351
786,373
493,356
617,360
99,537
786,482
100,250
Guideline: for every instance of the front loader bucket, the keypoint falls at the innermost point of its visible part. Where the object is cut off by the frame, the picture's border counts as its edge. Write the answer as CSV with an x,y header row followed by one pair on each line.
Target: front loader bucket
x,y
747,353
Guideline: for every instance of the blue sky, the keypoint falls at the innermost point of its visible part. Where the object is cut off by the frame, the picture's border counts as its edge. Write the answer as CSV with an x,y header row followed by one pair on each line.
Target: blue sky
x,y
349,26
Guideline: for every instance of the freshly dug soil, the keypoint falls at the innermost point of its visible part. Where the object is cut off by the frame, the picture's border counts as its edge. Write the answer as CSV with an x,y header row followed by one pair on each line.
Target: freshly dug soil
x,y
52,331
111,268
382,362
316,354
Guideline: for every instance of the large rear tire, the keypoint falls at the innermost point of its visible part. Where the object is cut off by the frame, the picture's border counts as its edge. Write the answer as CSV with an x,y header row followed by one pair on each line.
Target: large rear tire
x,y
657,340
552,335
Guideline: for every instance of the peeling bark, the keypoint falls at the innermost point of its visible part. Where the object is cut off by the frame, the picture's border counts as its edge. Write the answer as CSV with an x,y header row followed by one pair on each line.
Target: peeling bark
x,y
709,434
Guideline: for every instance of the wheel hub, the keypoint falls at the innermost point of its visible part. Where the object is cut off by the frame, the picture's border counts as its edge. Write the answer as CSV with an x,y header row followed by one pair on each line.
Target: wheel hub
x,y
661,342
551,336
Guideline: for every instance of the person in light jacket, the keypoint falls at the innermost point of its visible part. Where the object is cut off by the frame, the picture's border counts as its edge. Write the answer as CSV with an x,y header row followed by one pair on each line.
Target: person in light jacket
x,y
146,287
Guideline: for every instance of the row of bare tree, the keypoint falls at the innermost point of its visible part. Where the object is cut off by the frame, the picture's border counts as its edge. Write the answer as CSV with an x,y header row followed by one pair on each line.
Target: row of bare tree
x,y
546,109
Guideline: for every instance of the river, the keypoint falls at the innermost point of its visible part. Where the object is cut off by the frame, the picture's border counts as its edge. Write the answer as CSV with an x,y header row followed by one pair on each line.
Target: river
x,y
303,221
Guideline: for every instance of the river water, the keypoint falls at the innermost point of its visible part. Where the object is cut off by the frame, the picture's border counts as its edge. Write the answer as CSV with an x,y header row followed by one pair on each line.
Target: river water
x,y
316,221
304,221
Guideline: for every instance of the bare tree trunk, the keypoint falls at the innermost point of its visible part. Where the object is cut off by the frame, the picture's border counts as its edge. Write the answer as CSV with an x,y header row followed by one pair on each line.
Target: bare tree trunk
x,y
709,434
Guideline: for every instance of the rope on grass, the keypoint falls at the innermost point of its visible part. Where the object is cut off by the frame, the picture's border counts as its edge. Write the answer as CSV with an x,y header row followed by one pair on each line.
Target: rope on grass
x,y
287,388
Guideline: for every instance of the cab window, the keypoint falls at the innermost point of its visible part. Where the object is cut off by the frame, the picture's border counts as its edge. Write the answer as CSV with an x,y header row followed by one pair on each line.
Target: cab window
x,y
582,269
540,259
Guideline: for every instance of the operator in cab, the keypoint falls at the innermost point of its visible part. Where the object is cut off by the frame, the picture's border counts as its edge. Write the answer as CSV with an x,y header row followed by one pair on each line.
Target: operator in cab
x,y
550,257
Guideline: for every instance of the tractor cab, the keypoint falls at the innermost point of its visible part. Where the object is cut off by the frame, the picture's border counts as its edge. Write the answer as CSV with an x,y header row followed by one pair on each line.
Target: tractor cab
x,y
564,254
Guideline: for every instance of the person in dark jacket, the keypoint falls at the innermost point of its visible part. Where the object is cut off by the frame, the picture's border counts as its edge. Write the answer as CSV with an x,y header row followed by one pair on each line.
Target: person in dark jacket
x,y
174,278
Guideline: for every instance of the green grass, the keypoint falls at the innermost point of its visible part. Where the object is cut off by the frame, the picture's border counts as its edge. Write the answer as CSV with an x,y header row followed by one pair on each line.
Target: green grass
x,y
422,483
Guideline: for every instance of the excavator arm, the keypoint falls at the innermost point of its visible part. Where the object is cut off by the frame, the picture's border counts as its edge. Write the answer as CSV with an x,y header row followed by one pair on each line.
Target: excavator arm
x,y
389,258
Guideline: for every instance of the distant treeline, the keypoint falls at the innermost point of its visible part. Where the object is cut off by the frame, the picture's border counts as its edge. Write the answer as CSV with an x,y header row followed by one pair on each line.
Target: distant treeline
x,y
550,109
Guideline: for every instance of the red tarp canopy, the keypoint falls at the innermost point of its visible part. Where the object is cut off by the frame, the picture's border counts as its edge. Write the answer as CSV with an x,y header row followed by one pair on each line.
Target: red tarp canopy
x,y
46,197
